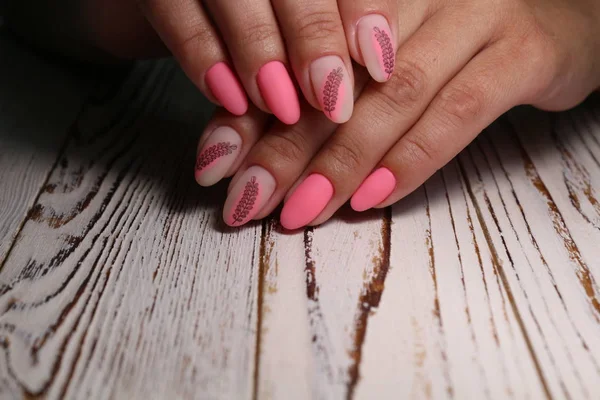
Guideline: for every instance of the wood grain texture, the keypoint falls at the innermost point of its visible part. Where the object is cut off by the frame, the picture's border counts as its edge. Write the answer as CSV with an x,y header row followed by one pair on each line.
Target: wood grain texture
x,y
120,281
113,287
33,129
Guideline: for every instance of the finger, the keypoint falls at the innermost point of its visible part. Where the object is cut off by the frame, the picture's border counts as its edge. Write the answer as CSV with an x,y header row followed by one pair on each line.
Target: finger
x,y
225,142
485,89
424,64
276,161
188,32
314,37
256,46
374,34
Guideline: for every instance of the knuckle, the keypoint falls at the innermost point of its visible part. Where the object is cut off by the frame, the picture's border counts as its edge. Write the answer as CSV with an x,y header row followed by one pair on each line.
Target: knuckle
x,y
419,150
286,149
258,33
344,156
317,25
460,103
199,37
406,87
540,53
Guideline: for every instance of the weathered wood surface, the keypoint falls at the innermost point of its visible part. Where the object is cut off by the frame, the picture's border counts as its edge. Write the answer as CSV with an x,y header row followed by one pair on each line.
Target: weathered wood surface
x,y
117,279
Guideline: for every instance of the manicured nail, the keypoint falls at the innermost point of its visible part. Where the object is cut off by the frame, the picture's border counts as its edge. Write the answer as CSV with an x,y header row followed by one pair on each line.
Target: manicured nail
x,y
331,83
227,89
278,91
218,154
307,202
376,46
374,190
248,196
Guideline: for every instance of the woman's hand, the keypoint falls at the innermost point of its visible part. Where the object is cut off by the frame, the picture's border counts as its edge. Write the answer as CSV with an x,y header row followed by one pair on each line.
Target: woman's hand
x,y
460,65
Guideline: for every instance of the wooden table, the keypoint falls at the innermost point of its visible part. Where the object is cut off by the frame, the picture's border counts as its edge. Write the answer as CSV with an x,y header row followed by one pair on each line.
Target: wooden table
x,y
118,279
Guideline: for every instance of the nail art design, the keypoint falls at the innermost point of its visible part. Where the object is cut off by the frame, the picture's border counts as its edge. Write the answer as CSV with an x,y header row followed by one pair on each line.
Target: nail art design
x,y
213,153
247,201
248,196
387,50
331,90
376,45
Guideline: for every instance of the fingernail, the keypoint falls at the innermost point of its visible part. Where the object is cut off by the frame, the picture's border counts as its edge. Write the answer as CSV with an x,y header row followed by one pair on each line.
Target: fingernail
x,y
374,190
227,89
376,46
248,196
331,83
278,91
218,153
307,202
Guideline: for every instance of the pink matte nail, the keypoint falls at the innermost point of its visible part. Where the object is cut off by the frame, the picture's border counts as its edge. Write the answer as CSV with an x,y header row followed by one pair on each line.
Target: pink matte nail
x,y
307,202
332,85
248,196
279,93
374,190
227,89
217,155
376,46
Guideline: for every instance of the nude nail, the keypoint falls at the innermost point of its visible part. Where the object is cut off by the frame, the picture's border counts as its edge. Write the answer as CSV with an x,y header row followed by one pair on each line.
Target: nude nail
x,y
227,89
376,46
307,202
332,85
217,155
278,91
374,190
248,196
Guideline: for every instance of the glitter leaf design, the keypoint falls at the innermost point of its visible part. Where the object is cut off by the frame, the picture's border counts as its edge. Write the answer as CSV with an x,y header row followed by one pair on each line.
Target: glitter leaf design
x,y
213,153
387,50
246,204
331,90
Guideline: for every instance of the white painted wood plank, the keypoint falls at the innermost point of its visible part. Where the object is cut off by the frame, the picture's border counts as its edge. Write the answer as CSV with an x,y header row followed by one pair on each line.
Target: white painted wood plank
x,y
286,365
545,269
123,282
445,327
468,311
38,103
347,261
319,288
